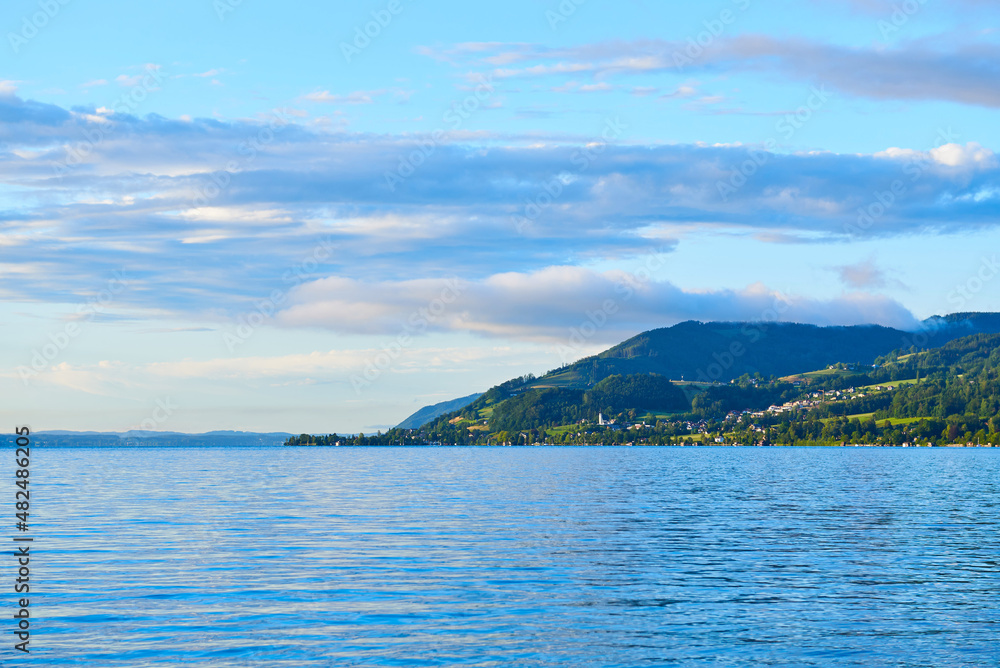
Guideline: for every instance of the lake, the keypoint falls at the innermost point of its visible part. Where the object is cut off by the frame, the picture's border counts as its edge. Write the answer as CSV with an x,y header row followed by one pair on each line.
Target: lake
x,y
513,557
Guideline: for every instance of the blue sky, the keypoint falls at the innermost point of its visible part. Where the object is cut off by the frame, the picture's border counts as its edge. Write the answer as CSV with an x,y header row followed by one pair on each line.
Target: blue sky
x,y
244,215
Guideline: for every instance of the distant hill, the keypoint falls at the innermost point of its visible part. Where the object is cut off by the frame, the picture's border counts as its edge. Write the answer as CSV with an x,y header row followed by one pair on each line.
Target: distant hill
x,y
956,325
690,351
722,351
946,394
91,439
428,413
746,382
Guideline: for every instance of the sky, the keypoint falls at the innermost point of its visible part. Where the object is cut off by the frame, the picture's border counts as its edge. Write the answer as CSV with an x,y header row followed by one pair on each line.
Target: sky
x,y
318,217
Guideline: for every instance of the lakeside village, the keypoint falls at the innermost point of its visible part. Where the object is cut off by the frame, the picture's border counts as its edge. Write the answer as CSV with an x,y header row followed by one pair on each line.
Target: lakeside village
x,y
782,424
943,397
706,432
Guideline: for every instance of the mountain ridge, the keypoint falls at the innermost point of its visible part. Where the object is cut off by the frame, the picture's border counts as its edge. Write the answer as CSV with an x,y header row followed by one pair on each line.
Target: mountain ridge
x,y
721,351
429,413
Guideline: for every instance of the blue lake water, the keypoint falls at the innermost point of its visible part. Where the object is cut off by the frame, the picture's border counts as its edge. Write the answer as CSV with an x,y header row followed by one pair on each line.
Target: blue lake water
x,y
513,557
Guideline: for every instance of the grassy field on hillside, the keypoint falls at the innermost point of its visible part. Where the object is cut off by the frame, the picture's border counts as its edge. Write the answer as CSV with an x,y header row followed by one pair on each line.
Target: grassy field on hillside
x,y
894,383
863,417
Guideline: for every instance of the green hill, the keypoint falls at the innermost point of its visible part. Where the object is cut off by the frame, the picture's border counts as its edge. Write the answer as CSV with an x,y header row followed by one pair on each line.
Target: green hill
x,y
428,413
706,352
962,378
940,395
752,383
722,351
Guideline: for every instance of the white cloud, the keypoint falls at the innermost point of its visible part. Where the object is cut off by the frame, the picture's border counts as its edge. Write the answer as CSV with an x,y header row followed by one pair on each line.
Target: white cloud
x,y
543,305
237,214
539,70
682,91
596,88
356,97
969,156
284,366
862,275
910,71
129,80
133,191
115,378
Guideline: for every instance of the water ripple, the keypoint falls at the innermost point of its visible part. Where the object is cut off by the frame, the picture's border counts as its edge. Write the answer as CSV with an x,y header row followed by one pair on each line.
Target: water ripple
x,y
515,556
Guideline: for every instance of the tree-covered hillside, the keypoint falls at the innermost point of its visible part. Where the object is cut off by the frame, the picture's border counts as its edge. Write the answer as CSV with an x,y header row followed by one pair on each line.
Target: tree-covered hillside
x,y
940,396
724,351
961,378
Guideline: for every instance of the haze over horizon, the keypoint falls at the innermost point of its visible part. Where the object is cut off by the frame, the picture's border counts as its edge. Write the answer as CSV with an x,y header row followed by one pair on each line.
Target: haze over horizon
x,y
322,218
